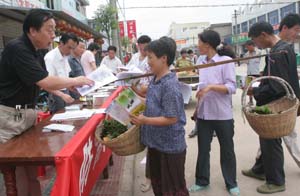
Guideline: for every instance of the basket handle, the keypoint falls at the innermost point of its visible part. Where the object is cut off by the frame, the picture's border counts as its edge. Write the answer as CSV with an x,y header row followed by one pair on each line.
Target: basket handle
x,y
287,87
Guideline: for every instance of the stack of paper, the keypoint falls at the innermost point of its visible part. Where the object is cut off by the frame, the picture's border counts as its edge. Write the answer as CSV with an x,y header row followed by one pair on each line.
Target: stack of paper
x,y
58,127
71,115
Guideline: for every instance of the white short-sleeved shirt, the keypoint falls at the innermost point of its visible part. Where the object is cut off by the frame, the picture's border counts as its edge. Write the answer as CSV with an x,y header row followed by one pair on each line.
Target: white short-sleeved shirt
x,y
112,64
86,59
57,64
136,62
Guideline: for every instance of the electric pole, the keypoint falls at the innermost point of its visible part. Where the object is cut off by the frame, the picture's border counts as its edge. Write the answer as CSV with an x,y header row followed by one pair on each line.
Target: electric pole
x,y
236,32
116,32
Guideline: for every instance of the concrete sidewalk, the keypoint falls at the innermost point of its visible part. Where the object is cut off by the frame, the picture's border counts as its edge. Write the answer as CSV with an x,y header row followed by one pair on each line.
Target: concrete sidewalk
x,y
246,145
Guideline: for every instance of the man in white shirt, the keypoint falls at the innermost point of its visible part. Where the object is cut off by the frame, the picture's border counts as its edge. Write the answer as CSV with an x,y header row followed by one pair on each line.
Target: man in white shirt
x,y
57,65
139,60
88,60
253,65
111,61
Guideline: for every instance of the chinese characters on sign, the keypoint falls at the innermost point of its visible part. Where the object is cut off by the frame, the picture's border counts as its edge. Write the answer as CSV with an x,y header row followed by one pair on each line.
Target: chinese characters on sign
x,y
122,30
131,29
30,4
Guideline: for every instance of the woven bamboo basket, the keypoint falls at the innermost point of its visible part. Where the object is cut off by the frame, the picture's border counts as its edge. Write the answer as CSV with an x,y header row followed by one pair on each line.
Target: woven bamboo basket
x,y
283,119
128,143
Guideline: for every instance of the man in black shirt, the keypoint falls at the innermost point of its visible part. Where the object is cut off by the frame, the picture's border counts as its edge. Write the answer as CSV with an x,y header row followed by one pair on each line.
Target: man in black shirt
x,y
21,77
284,66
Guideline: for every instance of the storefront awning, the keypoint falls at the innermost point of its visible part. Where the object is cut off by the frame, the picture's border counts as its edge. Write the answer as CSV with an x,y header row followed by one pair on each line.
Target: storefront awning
x,y
19,14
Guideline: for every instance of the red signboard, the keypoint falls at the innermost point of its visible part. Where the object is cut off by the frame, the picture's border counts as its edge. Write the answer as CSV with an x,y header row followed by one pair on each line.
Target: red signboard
x,y
131,29
29,4
122,30
81,161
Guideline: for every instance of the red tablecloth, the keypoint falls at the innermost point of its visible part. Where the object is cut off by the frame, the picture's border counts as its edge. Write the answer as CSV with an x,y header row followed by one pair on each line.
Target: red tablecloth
x,y
82,160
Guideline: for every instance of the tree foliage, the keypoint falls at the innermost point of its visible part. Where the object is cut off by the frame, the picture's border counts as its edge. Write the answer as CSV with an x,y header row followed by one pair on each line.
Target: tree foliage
x,y
105,20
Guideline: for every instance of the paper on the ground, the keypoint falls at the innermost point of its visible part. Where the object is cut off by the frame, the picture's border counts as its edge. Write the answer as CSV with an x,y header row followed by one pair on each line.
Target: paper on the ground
x,y
58,127
81,114
194,85
186,91
127,74
144,161
101,76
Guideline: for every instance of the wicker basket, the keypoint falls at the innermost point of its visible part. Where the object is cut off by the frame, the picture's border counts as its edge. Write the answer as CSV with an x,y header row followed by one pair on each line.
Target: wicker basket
x,y
271,126
125,144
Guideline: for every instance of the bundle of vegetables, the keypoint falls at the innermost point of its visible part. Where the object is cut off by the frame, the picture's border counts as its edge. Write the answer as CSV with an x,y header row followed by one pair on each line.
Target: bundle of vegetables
x,y
112,129
262,110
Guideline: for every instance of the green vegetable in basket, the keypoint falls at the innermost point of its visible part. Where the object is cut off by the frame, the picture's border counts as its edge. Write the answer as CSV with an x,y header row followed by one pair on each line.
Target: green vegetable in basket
x,y
112,129
262,110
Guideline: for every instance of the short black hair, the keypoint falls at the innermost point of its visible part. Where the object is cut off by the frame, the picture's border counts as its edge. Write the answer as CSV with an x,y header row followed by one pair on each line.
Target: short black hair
x,y
164,46
260,27
183,51
290,21
65,37
114,48
93,46
190,51
35,19
249,43
144,39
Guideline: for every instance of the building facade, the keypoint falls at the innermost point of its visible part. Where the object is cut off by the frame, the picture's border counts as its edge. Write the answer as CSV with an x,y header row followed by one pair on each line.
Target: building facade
x,y
186,34
272,13
71,12
224,29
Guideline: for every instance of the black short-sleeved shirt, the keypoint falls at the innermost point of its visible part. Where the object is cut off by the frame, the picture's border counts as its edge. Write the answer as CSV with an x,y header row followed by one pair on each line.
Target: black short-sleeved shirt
x,y
21,67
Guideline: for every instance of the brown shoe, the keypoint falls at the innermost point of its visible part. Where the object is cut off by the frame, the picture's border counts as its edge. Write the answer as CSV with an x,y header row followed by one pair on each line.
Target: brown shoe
x,y
270,188
250,173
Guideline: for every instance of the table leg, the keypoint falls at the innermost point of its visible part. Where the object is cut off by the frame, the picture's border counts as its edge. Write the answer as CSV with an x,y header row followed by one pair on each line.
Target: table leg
x,y
9,176
111,161
105,172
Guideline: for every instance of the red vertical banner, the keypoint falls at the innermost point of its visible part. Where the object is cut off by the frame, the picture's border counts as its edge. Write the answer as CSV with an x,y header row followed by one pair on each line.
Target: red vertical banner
x,y
131,29
122,29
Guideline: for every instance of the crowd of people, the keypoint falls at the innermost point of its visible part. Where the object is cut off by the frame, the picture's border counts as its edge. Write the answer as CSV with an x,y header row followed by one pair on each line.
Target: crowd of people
x,y
24,70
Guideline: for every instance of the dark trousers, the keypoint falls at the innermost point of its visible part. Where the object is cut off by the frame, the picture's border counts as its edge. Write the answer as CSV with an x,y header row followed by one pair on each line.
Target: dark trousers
x,y
167,173
271,161
56,103
224,130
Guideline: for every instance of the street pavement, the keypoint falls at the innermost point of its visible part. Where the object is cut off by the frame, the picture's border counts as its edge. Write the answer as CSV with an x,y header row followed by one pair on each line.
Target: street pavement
x,y
246,145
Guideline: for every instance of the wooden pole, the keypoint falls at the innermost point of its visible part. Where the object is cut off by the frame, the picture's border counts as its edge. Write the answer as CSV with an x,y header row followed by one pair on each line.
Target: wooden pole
x,y
202,66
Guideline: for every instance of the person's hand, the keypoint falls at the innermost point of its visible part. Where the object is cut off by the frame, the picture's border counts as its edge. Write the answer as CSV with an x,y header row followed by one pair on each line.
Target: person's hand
x,y
200,94
250,91
82,80
67,98
138,120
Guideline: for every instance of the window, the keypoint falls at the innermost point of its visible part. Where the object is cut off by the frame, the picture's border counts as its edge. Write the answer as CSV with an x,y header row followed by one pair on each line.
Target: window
x,y
244,27
238,29
287,10
184,29
273,17
261,18
252,22
77,6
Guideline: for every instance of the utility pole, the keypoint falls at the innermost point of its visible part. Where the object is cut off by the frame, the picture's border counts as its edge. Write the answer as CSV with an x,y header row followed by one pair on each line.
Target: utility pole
x,y
116,32
236,32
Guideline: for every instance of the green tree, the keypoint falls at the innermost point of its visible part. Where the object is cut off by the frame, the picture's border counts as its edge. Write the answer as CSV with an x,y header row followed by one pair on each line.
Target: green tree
x,y
125,42
105,20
